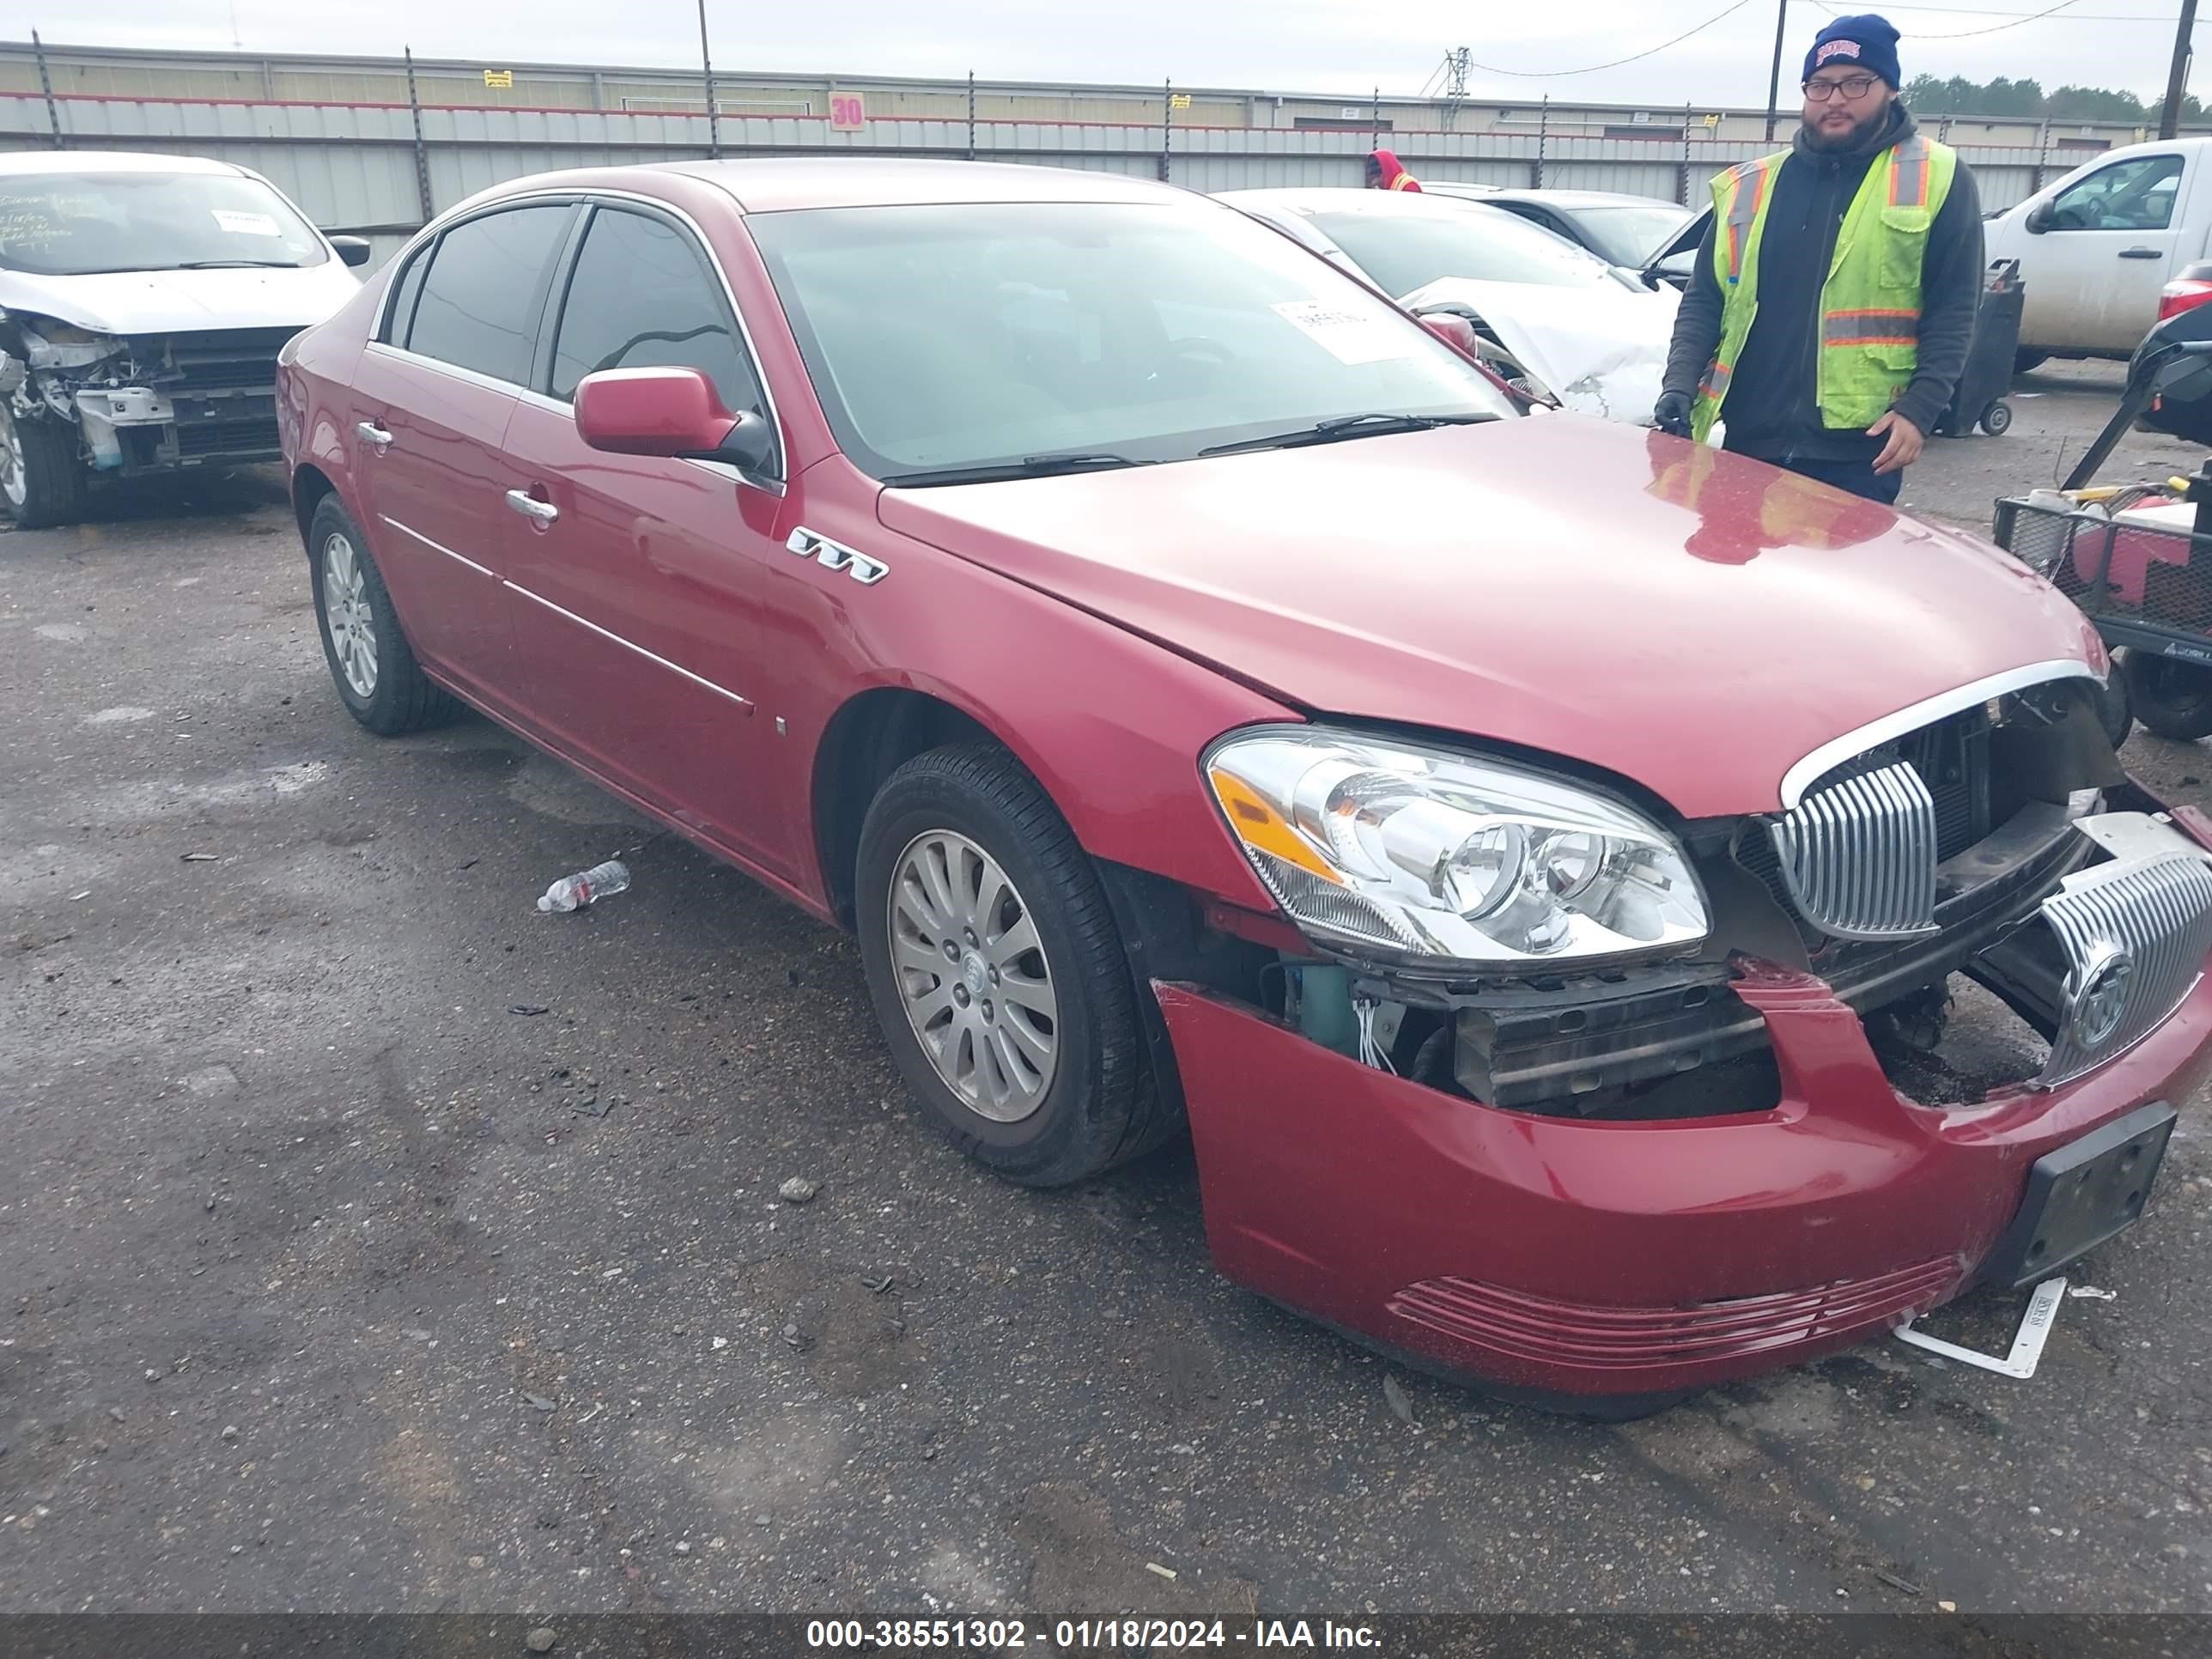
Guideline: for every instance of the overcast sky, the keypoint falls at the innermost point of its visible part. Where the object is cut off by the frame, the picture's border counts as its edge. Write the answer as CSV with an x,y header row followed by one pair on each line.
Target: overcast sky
x,y
1329,46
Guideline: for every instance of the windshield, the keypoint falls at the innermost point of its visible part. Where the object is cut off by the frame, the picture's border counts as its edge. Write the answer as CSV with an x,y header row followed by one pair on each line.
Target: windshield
x,y
1629,235
973,335
1404,250
74,224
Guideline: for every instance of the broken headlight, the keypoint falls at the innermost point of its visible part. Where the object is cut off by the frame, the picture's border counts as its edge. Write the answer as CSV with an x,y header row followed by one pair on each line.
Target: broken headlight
x,y
1422,852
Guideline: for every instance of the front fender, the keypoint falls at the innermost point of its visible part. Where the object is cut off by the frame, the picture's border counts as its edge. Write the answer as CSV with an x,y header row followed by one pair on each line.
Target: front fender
x,y
1110,723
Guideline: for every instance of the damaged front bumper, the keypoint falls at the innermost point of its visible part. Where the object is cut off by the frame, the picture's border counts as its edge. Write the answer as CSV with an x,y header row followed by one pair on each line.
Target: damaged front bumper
x,y
1558,1256
143,404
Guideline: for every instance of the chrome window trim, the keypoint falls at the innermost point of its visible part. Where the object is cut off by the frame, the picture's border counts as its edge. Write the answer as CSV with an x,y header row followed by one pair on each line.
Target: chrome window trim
x,y
1834,752
438,547
744,703
586,196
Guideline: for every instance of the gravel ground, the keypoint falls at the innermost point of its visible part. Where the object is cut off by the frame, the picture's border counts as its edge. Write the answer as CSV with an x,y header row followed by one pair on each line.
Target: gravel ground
x,y
333,1277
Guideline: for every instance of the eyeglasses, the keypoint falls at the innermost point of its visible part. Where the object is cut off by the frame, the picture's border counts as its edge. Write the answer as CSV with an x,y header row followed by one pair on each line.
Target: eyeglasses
x,y
1819,92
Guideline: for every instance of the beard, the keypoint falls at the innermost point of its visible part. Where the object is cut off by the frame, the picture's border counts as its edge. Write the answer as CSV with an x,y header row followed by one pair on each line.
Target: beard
x,y
1838,139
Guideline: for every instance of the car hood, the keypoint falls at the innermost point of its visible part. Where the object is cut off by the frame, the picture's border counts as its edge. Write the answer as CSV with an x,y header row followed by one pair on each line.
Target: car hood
x,y
1691,620
182,301
1603,349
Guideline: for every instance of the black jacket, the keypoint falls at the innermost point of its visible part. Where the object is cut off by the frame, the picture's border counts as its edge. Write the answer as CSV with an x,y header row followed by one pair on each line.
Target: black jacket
x,y
1771,410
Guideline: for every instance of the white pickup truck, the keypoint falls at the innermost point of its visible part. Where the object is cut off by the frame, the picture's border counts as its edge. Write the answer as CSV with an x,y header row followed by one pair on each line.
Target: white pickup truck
x,y
2097,247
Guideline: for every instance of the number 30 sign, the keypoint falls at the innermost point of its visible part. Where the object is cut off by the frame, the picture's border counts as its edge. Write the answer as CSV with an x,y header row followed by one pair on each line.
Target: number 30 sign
x,y
846,113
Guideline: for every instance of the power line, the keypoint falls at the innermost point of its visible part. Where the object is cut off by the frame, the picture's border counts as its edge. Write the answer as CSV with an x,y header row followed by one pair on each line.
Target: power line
x,y
1557,75
1996,28
2028,16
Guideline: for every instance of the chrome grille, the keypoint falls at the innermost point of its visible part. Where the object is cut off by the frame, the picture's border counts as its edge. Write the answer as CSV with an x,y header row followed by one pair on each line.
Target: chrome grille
x,y
1859,856
2154,914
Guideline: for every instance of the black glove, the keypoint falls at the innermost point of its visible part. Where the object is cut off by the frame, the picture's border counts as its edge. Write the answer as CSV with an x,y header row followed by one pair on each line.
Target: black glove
x,y
1673,413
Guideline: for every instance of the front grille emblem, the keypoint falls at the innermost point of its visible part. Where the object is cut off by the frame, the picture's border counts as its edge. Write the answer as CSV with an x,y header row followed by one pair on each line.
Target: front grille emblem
x,y
2097,997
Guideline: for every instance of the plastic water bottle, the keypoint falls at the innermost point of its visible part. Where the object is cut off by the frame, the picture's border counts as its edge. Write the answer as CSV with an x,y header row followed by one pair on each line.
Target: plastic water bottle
x,y
574,892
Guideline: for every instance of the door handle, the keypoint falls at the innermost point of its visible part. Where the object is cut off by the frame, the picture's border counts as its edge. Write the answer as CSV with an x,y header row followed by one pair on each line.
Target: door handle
x,y
374,435
531,507
2141,253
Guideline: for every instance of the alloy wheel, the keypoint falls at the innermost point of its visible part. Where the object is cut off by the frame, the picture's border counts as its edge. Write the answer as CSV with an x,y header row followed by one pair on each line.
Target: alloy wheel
x,y
14,472
347,615
972,975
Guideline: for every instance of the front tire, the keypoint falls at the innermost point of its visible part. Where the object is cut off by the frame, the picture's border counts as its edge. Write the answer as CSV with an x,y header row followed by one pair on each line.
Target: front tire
x,y
42,480
998,974
2173,699
371,663
1997,419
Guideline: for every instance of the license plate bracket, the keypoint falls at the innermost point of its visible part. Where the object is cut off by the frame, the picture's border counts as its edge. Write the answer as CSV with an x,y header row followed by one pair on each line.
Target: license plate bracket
x,y
2082,1194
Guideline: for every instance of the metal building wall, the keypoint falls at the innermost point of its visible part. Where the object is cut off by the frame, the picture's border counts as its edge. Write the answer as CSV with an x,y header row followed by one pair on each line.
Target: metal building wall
x,y
352,166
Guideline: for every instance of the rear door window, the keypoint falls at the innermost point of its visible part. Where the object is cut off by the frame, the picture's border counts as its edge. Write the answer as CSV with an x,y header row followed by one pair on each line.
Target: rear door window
x,y
480,299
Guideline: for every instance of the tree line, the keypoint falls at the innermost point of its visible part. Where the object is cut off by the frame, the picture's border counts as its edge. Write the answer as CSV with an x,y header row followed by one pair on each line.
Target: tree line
x,y
2003,96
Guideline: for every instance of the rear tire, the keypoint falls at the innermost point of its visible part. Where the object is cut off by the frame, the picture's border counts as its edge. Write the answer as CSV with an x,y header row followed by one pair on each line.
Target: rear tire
x,y
966,873
2173,699
42,480
371,663
1997,419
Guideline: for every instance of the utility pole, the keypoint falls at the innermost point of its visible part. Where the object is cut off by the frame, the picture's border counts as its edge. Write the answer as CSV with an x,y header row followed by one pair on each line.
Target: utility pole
x,y
707,64
2177,80
1774,79
1456,64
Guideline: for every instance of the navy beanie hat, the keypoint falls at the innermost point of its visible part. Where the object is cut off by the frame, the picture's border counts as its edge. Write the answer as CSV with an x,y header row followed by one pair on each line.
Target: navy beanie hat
x,y
1869,41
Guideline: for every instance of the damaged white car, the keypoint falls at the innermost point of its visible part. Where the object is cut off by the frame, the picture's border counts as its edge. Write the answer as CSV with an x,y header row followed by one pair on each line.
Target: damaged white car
x,y
143,302
1551,318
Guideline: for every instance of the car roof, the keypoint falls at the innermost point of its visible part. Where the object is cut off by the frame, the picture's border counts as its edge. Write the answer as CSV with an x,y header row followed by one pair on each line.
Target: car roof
x,y
108,160
1330,198
1585,198
786,184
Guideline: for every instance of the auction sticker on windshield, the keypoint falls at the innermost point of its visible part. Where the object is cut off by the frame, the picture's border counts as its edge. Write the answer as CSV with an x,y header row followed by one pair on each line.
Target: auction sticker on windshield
x,y
1346,336
244,224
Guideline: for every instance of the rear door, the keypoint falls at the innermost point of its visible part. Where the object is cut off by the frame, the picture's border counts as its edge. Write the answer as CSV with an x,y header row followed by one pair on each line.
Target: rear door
x,y
431,402
2092,277
637,581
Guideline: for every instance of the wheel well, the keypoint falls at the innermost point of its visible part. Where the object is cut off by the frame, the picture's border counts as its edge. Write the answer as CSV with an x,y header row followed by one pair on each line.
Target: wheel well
x,y
309,485
867,740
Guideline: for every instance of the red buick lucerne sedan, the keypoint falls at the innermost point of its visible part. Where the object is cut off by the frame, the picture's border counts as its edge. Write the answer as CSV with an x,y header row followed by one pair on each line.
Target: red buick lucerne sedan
x,y
1529,857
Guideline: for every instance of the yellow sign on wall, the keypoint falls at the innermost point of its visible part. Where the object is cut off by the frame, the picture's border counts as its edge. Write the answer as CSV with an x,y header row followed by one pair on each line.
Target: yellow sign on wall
x,y
502,79
1179,101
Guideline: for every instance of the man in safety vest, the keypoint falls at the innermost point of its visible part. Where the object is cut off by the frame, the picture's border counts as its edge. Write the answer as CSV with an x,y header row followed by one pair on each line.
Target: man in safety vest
x,y
1386,171
1833,302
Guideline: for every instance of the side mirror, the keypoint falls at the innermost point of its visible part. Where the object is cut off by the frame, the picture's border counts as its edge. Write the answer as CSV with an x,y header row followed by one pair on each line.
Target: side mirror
x,y
356,251
671,412
2039,218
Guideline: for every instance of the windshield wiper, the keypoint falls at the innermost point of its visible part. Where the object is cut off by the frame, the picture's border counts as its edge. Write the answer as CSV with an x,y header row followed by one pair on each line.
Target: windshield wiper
x,y
238,264
1348,426
1030,466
